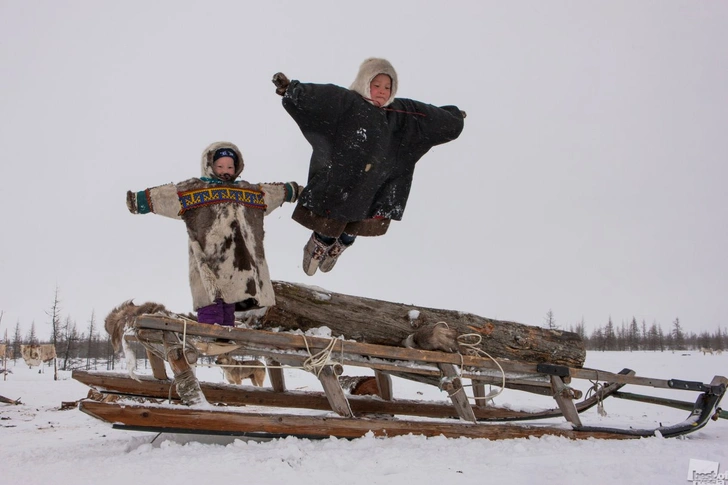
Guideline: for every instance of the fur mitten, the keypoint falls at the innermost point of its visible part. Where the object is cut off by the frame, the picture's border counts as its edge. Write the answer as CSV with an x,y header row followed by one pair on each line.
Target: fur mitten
x,y
131,202
433,337
281,83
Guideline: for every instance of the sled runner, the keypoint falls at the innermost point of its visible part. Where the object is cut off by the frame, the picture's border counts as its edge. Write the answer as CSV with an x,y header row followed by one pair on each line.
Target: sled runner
x,y
183,404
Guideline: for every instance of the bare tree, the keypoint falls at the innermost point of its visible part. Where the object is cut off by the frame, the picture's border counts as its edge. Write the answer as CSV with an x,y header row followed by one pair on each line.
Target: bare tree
x,y
550,321
717,341
610,337
633,336
653,338
90,341
17,340
55,314
678,337
70,341
32,338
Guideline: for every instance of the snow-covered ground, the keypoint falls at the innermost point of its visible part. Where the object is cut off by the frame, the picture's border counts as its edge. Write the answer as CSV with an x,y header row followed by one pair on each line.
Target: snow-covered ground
x,y
40,444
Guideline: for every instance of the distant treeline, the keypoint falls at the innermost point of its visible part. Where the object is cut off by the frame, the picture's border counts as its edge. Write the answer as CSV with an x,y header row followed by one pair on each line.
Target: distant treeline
x,y
635,336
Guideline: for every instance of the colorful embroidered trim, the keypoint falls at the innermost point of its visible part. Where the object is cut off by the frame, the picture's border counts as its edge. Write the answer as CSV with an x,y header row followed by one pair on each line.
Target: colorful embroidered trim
x,y
192,199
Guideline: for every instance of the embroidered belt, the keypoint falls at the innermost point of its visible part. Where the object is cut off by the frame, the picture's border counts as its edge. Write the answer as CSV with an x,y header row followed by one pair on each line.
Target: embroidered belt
x,y
192,199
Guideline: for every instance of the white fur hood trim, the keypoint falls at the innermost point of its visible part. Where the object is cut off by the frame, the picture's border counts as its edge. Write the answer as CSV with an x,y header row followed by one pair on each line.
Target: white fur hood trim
x,y
368,70
210,151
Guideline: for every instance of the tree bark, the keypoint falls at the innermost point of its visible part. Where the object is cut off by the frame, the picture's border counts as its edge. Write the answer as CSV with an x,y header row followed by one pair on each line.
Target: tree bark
x,y
387,323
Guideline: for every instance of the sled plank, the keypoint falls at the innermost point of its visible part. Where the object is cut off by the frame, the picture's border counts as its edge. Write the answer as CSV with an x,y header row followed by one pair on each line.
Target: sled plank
x,y
565,403
334,392
384,384
157,364
281,340
187,419
275,374
384,358
457,393
186,384
479,393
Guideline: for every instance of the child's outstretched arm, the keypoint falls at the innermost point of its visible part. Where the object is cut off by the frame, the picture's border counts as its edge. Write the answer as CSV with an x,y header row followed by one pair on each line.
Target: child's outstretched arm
x,y
278,193
162,200
317,106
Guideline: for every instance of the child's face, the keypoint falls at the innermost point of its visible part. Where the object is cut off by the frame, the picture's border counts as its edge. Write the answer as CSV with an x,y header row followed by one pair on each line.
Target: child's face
x,y
224,168
380,89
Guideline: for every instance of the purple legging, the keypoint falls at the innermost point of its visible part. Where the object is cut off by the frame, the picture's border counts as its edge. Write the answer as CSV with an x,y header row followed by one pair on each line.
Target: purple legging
x,y
220,313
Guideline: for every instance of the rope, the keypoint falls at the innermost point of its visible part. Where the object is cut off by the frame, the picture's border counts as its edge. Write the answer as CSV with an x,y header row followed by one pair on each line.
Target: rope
x,y
474,349
596,388
316,362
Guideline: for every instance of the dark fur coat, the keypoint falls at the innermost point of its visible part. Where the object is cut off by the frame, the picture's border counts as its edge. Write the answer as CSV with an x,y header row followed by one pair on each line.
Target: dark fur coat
x,y
364,156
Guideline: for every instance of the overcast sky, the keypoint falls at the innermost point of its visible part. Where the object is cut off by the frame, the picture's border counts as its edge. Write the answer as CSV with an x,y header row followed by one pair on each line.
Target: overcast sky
x,y
590,178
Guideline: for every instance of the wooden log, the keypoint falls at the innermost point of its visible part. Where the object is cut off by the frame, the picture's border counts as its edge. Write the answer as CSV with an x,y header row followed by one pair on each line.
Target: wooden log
x,y
387,323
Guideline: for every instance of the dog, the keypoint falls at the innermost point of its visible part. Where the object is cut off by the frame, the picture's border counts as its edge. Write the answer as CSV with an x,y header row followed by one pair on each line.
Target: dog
x,y
121,318
244,369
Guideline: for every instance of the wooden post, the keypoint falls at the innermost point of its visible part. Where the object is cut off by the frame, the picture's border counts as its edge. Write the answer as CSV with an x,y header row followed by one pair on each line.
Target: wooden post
x,y
276,376
565,401
187,385
479,393
334,392
157,363
384,383
457,393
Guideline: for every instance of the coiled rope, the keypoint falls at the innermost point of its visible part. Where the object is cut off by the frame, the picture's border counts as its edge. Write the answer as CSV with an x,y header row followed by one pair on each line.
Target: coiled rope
x,y
473,349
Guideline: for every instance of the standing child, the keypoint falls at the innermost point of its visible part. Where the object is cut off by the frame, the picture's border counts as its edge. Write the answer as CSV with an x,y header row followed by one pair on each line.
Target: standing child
x,y
224,219
365,146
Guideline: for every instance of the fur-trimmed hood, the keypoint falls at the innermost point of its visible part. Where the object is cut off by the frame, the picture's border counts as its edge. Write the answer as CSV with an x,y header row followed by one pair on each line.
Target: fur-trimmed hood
x,y
210,151
368,70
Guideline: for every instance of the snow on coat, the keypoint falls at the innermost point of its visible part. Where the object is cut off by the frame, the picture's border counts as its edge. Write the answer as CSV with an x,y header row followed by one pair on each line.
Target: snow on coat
x,y
225,227
364,156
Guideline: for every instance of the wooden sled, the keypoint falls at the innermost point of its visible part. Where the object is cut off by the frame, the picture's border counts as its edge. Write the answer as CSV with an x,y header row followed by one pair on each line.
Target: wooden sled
x,y
209,408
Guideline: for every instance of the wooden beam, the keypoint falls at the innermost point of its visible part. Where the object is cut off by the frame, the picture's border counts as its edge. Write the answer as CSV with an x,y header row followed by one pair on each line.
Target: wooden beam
x,y
334,392
565,401
384,384
457,393
276,376
189,419
157,363
118,383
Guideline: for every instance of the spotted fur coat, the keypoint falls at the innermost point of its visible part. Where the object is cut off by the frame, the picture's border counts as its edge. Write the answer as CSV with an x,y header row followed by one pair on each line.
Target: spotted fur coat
x,y
225,227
